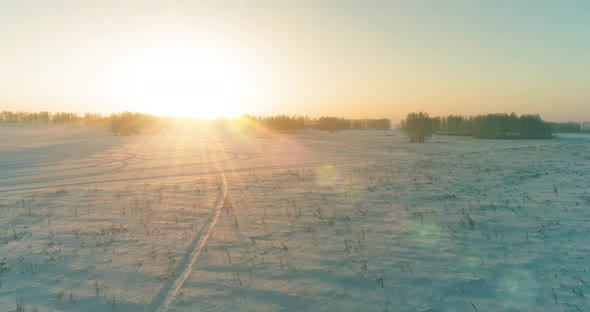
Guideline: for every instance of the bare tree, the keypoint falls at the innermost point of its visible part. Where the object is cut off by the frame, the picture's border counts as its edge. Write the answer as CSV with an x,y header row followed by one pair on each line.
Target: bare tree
x,y
417,126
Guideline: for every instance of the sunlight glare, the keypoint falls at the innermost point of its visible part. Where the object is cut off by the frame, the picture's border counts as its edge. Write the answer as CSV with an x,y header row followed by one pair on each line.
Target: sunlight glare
x,y
186,79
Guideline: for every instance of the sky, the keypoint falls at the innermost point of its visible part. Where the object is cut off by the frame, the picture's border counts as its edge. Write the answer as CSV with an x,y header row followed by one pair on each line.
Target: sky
x,y
354,59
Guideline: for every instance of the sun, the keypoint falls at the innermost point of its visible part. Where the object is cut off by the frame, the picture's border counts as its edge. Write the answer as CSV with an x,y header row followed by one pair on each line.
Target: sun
x,y
187,79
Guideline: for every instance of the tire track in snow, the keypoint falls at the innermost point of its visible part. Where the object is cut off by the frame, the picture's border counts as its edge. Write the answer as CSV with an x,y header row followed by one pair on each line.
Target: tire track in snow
x,y
22,187
163,299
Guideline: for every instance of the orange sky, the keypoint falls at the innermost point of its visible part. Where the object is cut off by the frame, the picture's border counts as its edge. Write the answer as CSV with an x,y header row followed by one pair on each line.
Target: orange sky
x,y
344,58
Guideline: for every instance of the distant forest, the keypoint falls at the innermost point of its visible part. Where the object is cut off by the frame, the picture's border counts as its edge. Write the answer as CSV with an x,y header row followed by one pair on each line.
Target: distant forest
x,y
127,123
503,126
284,123
419,126
495,126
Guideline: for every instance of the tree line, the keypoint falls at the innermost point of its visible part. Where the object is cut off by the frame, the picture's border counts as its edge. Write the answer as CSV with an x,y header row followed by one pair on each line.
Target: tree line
x,y
495,126
122,123
128,123
419,126
39,117
568,127
285,123
58,118
334,124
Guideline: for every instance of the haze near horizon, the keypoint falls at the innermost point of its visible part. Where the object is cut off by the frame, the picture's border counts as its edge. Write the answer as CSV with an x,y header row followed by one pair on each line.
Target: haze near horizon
x,y
353,59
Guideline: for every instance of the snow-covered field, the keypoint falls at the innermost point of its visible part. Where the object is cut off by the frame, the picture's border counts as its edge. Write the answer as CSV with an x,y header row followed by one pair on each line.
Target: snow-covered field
x,y
219,220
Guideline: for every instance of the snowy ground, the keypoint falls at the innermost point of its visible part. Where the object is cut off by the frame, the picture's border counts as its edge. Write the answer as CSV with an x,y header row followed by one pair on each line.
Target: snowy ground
x,y
219,220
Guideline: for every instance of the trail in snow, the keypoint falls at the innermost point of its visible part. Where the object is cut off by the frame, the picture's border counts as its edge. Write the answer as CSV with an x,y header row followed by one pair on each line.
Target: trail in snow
x,y
163,299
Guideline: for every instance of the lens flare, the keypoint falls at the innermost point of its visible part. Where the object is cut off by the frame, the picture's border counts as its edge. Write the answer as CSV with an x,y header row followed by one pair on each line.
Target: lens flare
x,y
424,233
518,288
326,175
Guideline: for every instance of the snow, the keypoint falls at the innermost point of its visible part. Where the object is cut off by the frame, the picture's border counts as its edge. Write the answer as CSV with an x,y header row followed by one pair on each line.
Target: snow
x,y
214,219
